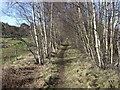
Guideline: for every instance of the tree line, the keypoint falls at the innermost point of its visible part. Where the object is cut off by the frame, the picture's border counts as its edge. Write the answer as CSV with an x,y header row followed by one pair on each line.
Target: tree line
x,y
9,31
92,27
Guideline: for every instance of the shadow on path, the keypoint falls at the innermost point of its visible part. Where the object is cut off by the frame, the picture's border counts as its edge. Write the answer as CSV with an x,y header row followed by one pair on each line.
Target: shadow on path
x,y
58,80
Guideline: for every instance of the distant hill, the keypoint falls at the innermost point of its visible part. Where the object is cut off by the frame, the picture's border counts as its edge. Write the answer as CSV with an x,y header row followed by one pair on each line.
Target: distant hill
x,y
13,31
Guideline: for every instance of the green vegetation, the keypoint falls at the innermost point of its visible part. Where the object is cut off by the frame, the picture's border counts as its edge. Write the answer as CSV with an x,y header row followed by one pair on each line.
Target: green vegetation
x,y
80,73
71,70
11,49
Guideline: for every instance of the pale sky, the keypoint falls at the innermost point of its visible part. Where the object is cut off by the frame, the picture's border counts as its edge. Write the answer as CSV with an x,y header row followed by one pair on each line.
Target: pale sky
x,y
7,19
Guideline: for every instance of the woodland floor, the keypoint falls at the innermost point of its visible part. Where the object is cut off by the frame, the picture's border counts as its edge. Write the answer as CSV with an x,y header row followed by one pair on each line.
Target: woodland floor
x,y
69,69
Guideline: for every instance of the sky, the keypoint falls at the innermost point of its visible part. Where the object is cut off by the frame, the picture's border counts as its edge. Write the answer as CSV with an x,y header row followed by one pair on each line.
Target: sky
x,y
7,19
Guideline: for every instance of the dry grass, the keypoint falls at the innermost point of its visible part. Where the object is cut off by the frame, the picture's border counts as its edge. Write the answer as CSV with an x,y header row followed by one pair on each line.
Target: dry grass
x,y
79,72
14,78
25,74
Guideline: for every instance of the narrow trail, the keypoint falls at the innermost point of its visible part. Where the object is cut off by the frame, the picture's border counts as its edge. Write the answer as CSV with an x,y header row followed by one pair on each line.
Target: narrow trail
x,y
69,69
61,68
74,70
58,80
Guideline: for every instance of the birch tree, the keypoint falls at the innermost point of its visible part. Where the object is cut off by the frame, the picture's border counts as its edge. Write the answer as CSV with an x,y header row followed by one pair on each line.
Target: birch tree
x,y
36,35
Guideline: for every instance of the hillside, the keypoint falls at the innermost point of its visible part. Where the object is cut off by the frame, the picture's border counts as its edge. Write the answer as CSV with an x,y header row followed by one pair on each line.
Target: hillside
x,y
14,31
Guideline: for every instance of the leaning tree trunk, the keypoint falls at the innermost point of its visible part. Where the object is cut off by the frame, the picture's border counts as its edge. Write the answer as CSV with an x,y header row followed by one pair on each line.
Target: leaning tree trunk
x,y
85,35
38,60
97,41
41,33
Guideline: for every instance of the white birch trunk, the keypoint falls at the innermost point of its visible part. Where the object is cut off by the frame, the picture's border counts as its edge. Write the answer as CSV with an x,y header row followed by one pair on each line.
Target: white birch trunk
x,y
97,41
42,48
45,33
52,49
112,34
105,32
88,47
35,33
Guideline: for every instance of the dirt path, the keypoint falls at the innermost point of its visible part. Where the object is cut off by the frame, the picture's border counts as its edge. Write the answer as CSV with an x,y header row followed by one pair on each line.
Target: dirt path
x,y
61,68
58,80
70,69
74,70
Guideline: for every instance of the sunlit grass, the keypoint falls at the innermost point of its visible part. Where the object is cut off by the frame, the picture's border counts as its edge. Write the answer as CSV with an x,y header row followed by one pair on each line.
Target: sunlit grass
x,y
80,73
13,48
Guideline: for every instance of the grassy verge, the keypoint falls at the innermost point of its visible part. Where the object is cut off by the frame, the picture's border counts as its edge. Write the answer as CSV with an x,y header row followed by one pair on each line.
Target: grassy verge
x,y
12,48
25,74
80,73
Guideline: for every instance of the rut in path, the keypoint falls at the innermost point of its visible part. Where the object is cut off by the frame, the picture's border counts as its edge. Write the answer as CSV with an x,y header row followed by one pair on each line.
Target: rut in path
x,y
58,81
